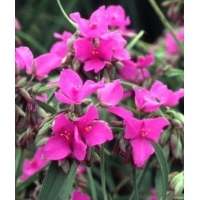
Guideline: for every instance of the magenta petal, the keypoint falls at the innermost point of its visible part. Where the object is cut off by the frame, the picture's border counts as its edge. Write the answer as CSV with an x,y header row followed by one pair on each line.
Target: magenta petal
x,y
145,61
121,54
88,88
19,60
83,49
173,97
59,48
133,127
142,150
62,124
120,112
94,64
47,62
99,133
79,147
111,94
64,99
90,115
56,148
70,83
27,56
77,195
154,127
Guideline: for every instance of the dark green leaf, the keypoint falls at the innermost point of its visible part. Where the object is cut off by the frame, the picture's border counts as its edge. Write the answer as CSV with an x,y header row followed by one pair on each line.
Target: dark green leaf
x,y
163,167
55,181
46,107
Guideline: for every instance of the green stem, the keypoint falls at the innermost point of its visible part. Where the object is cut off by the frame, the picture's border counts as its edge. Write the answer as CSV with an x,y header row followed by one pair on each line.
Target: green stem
x,y
134,41
134,195
103,178
166,24
92,184
129,85
32,77
19,156
66,16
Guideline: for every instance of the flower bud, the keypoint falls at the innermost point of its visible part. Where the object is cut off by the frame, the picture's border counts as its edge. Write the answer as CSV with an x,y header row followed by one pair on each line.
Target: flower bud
x,y
173,140
19,111
177,152
33,67
180,117
42,141
42,112
95,157
36,87
65,166
25,94
21,82
122,146
166,151
176,122
116,123
165,136
177,183
45,129
76,65
17,70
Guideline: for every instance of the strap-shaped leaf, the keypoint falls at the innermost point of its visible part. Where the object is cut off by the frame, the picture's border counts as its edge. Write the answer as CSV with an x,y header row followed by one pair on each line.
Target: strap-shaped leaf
x,y
46,107
164,168
55,180
46,88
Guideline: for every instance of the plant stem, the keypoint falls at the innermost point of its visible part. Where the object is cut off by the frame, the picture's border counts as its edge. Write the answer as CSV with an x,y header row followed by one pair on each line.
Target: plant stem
x,y
134,41
103,178
134,195
32,77
166,24
66,16
91,181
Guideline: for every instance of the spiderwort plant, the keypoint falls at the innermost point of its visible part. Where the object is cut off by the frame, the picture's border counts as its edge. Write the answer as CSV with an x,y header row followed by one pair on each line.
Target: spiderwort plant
x,y
96,102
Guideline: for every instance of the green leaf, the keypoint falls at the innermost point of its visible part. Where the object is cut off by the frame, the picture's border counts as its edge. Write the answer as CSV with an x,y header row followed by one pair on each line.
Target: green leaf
x,y
175,72
46,107
55,182
46,88
163,167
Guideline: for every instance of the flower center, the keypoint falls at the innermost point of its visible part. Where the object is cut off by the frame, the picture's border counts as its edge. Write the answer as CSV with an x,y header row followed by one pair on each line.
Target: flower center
x,y
88,128
92,25
75,87
66,135
143,132
95,52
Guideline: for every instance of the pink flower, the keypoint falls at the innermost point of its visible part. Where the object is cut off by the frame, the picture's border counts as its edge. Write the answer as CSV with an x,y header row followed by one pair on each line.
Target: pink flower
x,y
30,167
128,71
116,16
93,131
166,96
95,26
65,141
171,46
39,66
145,61
145,101
142,133
17,25
77,195
72,90
111,94
94,57
43,97
120,112
119,52
61,48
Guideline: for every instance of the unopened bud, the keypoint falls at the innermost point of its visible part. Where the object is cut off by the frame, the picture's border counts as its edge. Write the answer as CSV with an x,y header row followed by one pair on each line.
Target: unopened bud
x,y
76,65
45,129
25,94
42,141
176,122
178,178
178,150
42,112
21,82
65,166
86,102
116,123
33,67
180,117
165,136
96,43
95,157
173,140
19,111
122,146
36,87
119,65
